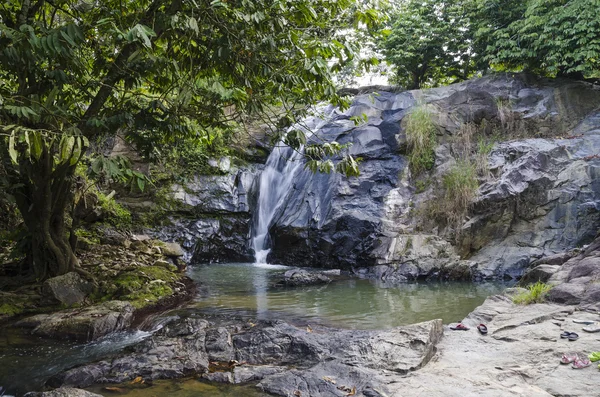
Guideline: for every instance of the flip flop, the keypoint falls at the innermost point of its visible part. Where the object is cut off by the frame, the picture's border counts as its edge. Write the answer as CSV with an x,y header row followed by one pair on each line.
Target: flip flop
x,y
581,363
568,358
482,328
586,322
460,327
565,334
594,356
573,336
593,328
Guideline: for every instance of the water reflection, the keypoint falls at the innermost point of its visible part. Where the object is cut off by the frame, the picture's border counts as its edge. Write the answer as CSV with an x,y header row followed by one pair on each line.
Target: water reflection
x,y
245,289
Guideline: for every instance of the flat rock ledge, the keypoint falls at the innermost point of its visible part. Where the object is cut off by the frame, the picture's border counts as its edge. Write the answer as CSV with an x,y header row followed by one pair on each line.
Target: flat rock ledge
x,y
519,356
285,360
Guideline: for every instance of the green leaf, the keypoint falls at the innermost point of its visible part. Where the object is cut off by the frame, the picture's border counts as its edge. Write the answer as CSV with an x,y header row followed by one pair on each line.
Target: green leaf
x,y
12,151
37,144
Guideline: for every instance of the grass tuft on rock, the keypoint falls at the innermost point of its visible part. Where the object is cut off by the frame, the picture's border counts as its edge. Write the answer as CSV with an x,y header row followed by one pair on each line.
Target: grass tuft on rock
x,y
421,138
535,294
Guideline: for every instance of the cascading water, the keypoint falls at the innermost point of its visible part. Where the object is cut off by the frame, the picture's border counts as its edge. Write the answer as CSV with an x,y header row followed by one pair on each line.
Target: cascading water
x,y
276,182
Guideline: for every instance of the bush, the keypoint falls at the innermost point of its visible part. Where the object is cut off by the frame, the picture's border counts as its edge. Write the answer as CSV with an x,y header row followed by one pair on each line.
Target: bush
x,y
535,294
460,188
421,139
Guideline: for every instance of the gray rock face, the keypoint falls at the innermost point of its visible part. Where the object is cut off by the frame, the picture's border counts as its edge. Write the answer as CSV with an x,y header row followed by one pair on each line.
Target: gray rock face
x,y
539,273
63,392
83,325
542,197
215,225
68,289
545,200
576,281
285,359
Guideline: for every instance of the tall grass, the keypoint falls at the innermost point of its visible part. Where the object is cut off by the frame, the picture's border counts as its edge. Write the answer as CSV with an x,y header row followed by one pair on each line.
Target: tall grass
x,y
460,188
421,138
535,294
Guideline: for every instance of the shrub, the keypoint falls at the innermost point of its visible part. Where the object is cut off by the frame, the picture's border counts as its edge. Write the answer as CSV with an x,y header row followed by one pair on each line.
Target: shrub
x,y
460,188
118,216
421,139
535,294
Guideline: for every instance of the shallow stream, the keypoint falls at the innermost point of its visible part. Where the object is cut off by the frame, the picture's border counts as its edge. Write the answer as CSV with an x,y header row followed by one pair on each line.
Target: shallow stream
x,y
247,290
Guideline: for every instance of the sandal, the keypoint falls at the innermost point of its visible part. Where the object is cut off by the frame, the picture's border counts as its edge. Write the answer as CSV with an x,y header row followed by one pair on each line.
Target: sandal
x,y
594,328
581,363
460,327
568,358
573,336
586,322
594,356
482,328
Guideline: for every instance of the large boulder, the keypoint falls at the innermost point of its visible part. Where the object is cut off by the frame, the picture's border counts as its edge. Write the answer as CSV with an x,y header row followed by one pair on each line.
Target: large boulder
x,y
69,289
83,325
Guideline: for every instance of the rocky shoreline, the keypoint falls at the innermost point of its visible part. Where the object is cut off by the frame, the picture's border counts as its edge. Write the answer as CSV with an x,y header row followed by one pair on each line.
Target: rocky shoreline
x,y
520,355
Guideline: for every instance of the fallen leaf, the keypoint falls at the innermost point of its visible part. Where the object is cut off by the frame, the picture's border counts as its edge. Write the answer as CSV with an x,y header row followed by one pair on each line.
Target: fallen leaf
x,y
330,380
137,380
297,393
114,389
352,392
309,328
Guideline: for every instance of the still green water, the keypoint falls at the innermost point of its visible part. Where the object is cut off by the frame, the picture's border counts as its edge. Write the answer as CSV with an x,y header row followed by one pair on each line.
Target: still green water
x,y
247,289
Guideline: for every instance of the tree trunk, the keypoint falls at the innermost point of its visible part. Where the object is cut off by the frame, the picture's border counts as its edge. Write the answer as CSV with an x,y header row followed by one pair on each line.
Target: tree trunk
x,y
43,196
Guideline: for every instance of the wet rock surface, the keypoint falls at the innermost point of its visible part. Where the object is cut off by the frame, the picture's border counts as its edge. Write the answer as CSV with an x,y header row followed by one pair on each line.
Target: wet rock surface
x,y
299,277
269,352
83,324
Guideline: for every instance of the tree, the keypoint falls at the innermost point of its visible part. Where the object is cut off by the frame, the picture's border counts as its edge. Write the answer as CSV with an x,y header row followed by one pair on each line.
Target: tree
x,y
72,72
551,37
428,43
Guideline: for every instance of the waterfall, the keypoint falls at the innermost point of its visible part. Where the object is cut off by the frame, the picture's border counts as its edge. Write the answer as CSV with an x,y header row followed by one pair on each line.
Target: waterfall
x,y
276,182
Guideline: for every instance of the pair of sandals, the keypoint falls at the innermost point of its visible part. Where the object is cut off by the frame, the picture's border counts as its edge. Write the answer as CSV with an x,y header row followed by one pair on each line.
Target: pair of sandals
x,y
575,361
572,336
461,327
593,326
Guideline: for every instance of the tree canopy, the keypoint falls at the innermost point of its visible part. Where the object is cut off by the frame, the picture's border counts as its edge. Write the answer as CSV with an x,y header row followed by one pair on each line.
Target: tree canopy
x,y
72,72
431,43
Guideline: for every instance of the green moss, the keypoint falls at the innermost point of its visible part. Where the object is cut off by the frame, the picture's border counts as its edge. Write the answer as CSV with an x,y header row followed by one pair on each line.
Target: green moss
x,y
142,286
10,309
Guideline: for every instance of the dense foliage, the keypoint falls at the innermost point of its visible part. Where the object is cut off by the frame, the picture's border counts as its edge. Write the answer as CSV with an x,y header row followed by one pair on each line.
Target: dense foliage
x,y
427,43
72,72
431,43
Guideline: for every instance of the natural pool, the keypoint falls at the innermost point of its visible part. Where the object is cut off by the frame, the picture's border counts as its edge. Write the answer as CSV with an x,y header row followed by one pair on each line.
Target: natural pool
x,y
246,290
